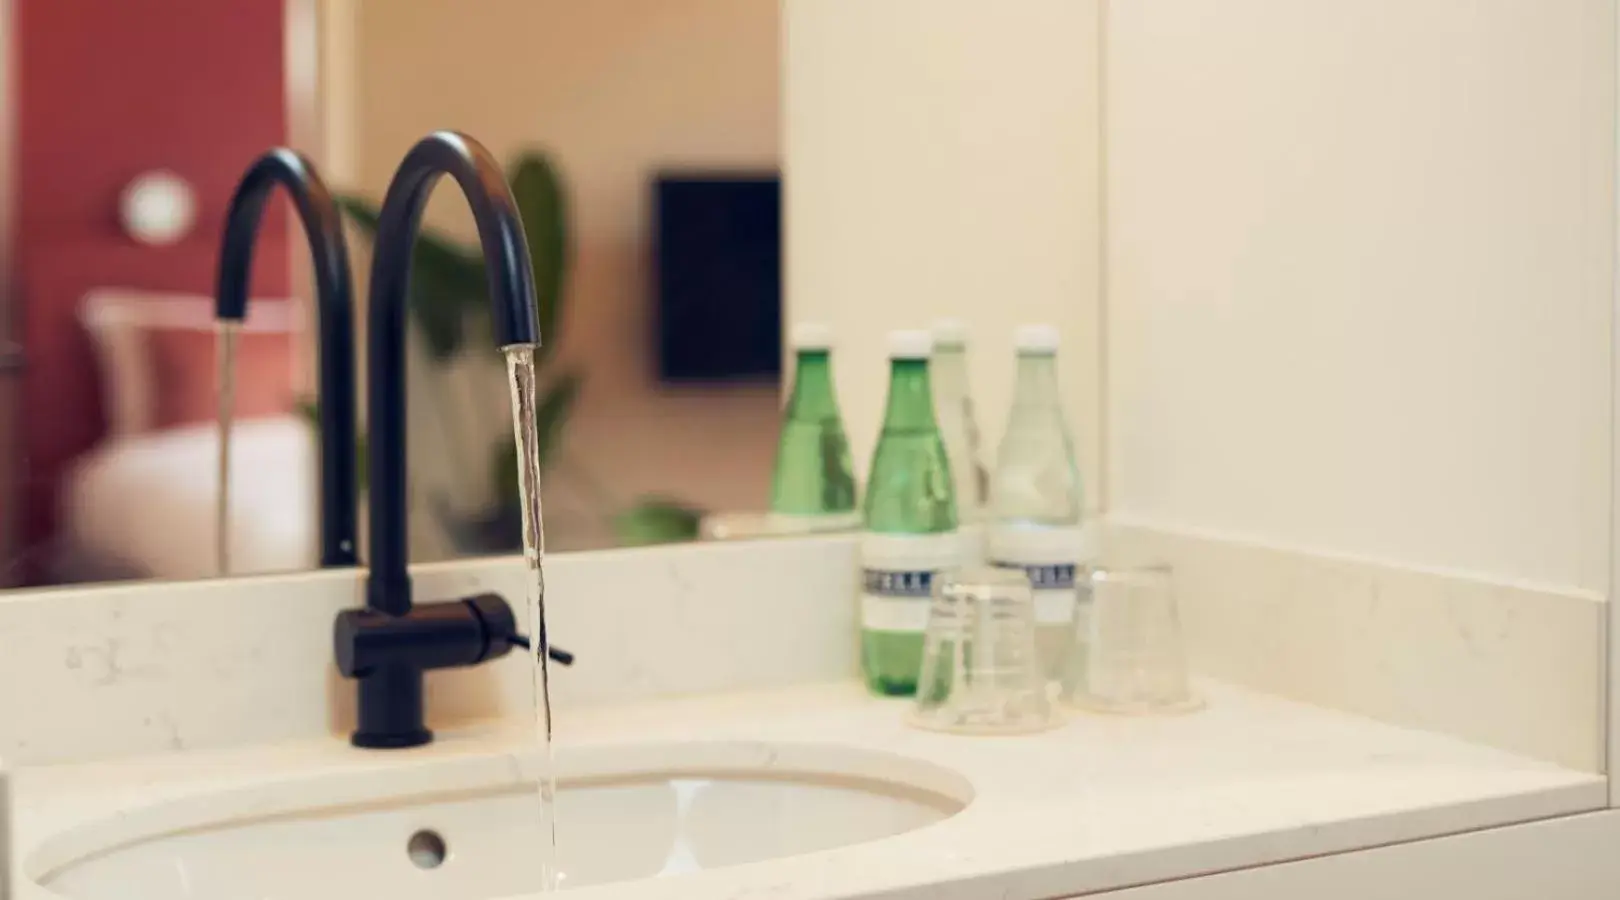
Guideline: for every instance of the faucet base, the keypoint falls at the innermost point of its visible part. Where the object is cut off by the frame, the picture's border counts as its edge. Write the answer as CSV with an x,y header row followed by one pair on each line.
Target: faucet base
x,y
389,740
391,709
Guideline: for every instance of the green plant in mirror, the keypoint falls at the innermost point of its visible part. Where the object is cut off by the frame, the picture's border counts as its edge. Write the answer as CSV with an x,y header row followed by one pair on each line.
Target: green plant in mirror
x,y
655,519
449,307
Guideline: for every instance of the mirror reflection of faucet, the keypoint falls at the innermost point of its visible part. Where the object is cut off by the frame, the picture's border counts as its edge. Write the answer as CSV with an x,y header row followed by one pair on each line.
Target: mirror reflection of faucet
x,y
334,307
387,645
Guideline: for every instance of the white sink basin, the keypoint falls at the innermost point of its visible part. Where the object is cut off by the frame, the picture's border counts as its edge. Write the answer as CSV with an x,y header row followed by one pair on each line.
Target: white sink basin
x,y
469,828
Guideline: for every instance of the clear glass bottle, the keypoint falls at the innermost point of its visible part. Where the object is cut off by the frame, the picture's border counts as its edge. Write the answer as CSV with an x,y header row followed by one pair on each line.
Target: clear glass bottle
x,y
813,485
1036,501
953,407
909,519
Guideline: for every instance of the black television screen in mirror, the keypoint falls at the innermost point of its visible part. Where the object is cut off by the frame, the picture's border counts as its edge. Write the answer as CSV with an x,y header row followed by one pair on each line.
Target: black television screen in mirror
x,y
718,275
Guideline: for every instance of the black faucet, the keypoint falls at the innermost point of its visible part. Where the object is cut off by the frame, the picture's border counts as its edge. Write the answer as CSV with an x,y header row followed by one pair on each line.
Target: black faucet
x,y
391,642
335,314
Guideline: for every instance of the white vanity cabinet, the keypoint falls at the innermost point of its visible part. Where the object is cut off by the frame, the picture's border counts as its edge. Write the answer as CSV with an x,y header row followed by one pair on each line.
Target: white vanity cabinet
x,y
1570,858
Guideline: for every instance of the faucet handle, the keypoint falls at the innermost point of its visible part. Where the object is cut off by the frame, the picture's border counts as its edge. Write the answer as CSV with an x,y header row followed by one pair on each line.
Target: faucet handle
x,y
501,625
556,654
443,635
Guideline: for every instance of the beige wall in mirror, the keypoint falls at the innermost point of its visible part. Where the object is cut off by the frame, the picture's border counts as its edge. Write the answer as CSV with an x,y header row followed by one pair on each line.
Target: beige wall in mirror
x,y
944,162
628,99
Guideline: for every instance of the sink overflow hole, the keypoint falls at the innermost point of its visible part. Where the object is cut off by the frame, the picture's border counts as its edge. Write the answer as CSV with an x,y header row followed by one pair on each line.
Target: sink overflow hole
x,y
426,849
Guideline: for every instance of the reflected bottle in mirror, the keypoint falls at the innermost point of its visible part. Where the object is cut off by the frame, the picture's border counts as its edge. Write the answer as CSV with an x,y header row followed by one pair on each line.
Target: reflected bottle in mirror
x,y
813,484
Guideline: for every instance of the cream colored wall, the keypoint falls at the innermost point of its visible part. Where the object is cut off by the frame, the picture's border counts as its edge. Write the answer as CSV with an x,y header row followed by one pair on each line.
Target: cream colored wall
x,y
617,89
942,160
1360,273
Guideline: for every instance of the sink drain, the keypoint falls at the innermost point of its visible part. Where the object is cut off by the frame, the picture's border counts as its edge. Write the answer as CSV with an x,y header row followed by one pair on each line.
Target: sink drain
x,y
426,849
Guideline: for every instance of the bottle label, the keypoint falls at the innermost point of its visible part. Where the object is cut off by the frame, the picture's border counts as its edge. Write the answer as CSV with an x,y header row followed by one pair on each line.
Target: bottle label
x,y
1051,558
897,577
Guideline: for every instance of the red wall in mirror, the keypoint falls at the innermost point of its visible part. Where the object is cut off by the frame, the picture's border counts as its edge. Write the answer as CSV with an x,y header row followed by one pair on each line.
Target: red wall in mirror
x,y
105,91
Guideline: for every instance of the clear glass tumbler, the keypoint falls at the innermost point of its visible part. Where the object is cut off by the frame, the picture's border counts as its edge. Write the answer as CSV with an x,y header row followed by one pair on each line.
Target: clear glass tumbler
x,y
981,673
1136,662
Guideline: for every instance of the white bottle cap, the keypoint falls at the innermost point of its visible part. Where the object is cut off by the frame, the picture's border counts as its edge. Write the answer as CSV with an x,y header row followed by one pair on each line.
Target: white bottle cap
x,y
811,336
950,333
1036,339
910,344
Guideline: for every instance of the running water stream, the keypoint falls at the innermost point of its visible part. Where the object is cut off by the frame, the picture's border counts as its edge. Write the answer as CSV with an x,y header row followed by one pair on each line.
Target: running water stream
x,y
520,371
226,331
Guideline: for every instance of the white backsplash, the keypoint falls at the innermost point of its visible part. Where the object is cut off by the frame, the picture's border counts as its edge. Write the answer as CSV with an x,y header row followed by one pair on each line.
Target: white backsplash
x,y
1516,667
103,672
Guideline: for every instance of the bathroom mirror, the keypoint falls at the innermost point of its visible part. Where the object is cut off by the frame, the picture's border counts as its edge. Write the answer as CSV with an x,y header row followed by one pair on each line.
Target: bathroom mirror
x,y
648,137
662,407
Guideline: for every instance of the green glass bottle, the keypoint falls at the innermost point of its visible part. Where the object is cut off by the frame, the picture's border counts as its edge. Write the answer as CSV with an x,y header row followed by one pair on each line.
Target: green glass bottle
x,y
909,520
813,486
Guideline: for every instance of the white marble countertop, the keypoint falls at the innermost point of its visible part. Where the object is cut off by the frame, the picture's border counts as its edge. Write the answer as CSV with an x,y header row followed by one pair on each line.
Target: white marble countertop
x,y
1100,803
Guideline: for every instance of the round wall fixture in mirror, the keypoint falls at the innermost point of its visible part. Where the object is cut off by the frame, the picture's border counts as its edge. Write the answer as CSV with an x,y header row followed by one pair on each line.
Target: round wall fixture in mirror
x,y
157,208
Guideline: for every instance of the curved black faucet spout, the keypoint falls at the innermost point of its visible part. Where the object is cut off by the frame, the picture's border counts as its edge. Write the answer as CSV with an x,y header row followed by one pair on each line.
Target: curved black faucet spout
x,y
335,314
389,644
511,290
